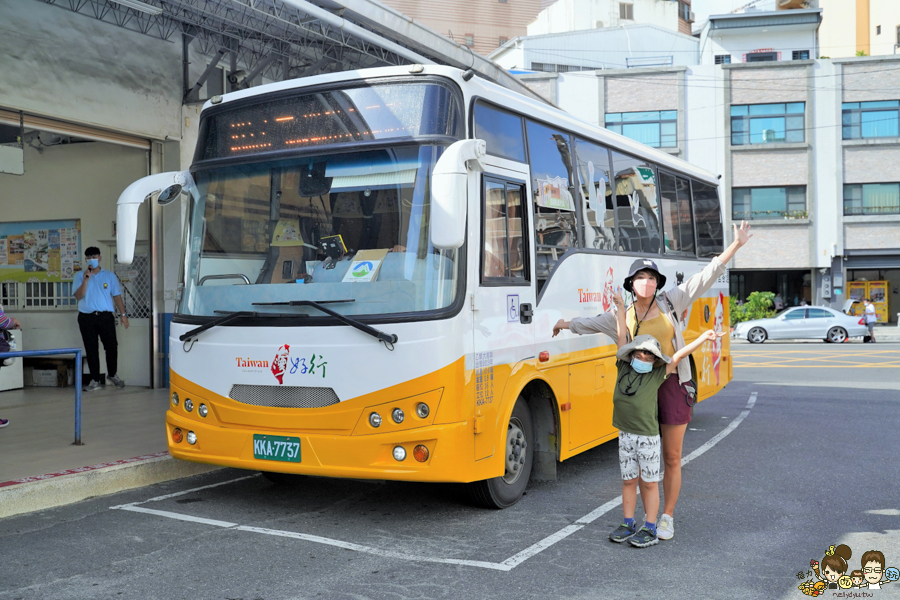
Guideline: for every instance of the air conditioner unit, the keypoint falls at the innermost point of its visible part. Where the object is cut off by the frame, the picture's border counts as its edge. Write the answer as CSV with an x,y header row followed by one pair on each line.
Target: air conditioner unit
x,y
692,17
598,25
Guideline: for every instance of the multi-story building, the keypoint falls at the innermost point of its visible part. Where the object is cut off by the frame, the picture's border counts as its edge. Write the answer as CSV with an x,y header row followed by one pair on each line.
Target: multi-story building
x,y
482,26
807,149
859,27
574,15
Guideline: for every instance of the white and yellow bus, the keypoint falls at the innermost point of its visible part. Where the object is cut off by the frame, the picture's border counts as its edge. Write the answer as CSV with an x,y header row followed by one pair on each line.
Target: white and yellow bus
x,y
373,265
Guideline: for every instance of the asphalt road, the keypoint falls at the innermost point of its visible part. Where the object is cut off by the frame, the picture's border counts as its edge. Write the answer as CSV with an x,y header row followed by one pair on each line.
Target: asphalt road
x,y
800,452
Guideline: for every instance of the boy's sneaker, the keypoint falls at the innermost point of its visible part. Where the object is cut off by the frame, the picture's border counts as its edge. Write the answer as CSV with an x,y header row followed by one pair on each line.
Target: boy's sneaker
x,y
622,533
118,382
93,386
643,538
665,529
4,423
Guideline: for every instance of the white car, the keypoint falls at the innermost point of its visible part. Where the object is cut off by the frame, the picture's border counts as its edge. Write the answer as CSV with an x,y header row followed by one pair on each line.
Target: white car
x,y
802,322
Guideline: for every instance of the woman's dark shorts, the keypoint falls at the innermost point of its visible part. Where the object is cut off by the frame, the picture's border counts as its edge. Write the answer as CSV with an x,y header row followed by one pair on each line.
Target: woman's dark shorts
x,y
673,403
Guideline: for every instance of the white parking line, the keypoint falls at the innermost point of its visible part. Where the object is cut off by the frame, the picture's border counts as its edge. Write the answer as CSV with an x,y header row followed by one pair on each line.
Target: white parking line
x,y
507,565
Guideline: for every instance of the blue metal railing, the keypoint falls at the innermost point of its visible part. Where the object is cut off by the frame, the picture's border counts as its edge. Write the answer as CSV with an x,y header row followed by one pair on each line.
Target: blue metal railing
x,y
77,352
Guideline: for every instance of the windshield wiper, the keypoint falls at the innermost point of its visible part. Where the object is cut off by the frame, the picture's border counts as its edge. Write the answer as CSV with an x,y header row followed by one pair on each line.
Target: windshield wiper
x,y
389,339
227,318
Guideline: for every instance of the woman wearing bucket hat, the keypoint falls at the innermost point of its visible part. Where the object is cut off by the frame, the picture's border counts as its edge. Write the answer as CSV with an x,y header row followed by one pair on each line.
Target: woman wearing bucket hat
x,y
657,314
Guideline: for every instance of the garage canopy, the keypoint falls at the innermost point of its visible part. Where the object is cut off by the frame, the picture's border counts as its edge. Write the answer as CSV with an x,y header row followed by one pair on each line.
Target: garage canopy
x,y
285,39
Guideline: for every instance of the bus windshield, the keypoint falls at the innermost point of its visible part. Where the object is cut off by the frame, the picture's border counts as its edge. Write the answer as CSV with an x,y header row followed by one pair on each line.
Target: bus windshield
x,y
349,228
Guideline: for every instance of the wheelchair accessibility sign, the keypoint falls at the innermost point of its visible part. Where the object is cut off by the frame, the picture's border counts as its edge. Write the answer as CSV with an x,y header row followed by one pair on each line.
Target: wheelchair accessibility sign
x,y
512,308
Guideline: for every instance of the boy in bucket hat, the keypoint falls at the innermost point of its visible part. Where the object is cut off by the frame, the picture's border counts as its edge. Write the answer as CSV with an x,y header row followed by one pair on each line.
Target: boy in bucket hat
x,y
642,369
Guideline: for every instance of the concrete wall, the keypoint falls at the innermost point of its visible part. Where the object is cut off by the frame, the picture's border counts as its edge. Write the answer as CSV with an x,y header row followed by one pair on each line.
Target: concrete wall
x,y
768,168
767,85
866,232
642,92
776,247
872,164
870,79
72,67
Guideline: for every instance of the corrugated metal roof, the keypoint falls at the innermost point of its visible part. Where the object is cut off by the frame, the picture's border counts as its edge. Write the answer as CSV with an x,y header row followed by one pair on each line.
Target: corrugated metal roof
x,y
766,19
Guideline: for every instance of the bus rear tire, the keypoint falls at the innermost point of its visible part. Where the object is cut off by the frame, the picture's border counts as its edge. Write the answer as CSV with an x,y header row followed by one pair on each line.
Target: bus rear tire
x,y
504,491
285,479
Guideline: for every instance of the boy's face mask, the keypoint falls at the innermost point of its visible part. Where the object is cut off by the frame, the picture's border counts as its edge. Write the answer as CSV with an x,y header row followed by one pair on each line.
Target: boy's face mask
x,y
93,262
641,366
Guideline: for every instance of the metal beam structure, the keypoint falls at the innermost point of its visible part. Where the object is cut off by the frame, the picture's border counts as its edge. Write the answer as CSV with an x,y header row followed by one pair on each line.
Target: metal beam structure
x,y
285,38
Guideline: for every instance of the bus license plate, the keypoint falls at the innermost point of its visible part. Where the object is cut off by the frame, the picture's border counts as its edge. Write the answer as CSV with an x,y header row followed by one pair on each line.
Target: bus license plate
x,y
276,447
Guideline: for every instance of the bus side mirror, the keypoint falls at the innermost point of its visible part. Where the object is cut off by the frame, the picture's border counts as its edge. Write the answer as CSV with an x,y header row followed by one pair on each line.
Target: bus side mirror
x,y
449,192
165,186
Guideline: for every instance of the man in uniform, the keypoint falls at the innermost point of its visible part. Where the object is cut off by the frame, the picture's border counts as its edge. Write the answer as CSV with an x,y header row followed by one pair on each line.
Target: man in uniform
x,y
96,291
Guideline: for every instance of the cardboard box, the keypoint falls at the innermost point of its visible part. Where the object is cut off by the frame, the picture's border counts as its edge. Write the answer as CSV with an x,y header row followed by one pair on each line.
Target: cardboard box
x,y
44,377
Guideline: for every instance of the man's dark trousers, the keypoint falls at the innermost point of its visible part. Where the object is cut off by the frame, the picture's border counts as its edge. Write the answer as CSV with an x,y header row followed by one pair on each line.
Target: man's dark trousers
x,y
102,325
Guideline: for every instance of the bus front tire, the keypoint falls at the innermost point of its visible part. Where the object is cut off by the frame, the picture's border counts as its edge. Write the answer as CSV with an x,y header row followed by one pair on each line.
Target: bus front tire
x,y
504,491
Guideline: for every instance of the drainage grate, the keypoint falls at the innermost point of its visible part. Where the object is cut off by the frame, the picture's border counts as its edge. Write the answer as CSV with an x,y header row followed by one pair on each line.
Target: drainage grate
x,y
283,396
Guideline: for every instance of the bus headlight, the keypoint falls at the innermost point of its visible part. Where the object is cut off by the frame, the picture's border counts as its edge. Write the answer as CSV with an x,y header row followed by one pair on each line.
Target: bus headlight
x,y
399,452
174,398
397,416
191,438
188,405
422,410
375,419
202,410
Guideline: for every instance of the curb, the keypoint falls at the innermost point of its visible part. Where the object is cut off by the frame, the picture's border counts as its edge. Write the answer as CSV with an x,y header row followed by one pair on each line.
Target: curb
x,y
66,487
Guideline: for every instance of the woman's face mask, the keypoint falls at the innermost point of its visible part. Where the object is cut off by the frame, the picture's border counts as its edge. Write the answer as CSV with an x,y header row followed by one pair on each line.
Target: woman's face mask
x,y
645,287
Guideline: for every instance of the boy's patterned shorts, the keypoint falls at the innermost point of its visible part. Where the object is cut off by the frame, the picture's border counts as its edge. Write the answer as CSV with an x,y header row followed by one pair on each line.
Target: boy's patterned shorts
x,y
639,455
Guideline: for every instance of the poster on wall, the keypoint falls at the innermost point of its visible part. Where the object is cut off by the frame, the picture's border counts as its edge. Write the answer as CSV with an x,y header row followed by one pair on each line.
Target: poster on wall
x,y
40,250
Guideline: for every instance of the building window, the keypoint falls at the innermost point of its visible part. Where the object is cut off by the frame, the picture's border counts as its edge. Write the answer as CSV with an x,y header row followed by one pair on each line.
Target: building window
x,y
502,41
762,56
553,68
768,202
470,39
872,199
626,11
502,1
684,11
657,129
801,54
878,30
870,119
767,123
723,59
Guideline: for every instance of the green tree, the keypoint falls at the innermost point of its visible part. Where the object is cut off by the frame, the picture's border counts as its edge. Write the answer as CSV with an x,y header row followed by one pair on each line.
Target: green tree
x,y
736,313
759,306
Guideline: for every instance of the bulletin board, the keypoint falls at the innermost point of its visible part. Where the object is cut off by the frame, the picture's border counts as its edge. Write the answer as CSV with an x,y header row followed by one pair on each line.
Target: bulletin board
x,y
40,250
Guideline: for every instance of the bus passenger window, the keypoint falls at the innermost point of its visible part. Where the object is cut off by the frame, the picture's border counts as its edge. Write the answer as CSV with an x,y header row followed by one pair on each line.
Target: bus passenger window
x,y
555,220
678,230
504,246
708,217
637,211
597,214
501,131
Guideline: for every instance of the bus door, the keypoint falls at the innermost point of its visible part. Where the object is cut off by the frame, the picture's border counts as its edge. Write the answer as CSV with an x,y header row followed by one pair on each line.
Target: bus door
x,y
502,301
